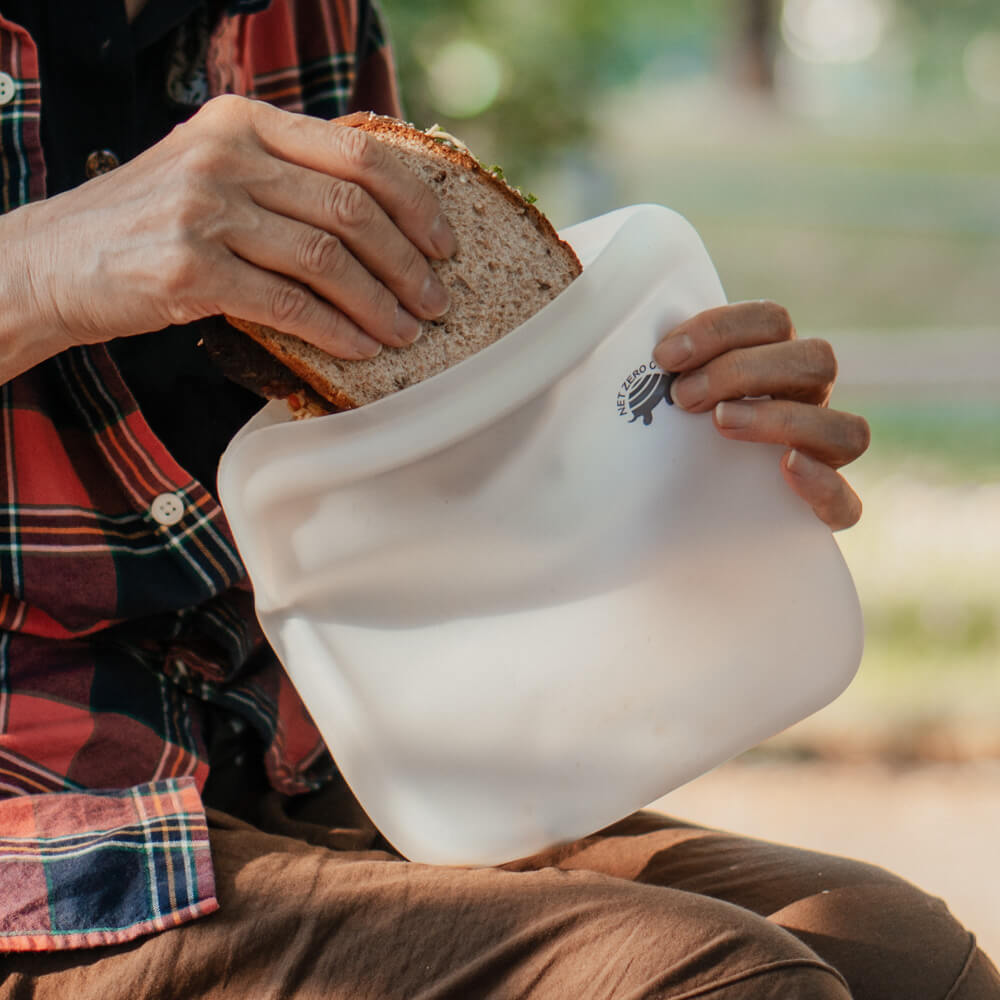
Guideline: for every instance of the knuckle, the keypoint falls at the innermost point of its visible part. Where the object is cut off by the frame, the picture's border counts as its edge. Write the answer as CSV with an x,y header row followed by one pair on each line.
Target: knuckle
x,y
788,421
358,150
223,105
219,114
716,329
288,305
198,213
179,271
348,205
319,253
739,371
180,313
206,156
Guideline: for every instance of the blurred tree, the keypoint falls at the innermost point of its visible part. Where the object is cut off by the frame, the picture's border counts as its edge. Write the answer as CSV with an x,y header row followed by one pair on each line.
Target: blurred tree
x,y
939,34
758,43
555,61
521,80
975,13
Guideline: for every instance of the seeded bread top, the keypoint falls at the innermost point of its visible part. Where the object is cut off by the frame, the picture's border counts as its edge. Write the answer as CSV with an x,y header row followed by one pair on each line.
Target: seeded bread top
x,y
510,263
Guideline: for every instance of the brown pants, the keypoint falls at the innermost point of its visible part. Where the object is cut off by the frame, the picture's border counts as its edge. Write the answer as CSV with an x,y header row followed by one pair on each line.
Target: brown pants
x,y
648,908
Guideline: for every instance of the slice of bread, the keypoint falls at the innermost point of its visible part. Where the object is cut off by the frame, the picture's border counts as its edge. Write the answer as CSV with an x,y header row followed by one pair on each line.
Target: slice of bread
x,y
510,263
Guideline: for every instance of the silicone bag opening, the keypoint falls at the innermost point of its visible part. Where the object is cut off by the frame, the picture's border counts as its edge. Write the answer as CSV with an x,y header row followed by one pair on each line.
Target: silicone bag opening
x,y
528,596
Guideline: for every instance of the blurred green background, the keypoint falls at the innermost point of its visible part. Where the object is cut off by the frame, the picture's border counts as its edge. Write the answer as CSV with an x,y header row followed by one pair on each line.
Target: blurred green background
x,y
841,157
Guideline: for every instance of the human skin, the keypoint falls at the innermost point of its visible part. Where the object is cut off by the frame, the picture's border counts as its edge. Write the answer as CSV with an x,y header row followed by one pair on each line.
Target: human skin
x,y
132,8
316,229
745,363
282,219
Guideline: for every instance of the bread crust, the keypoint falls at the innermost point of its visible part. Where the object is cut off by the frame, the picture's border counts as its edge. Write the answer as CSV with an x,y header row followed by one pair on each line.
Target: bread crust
x,y
264,335
483,315
368,121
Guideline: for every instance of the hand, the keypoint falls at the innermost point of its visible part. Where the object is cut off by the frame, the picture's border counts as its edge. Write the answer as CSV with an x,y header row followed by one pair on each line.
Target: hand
x,y
307,226
750,350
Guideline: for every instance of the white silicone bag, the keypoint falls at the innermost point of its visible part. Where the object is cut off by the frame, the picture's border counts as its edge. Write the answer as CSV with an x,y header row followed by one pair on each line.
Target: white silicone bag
x,y
528,596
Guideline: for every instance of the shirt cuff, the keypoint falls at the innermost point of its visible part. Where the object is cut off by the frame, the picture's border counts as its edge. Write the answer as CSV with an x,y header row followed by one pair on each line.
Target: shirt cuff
x,y
89,868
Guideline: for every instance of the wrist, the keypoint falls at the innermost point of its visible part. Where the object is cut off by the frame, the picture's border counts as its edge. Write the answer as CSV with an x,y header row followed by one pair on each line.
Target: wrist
x,y
31,330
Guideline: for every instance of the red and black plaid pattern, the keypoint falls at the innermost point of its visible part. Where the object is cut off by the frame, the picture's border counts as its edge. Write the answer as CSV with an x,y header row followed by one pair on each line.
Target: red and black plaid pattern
x,y
117,629
128,863
23,176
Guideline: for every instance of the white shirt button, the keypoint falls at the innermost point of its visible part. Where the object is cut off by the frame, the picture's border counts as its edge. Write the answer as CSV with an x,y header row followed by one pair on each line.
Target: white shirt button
x,y
167,509
8,88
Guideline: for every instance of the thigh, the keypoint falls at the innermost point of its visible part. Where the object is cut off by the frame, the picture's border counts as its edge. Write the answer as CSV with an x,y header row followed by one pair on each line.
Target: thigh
x,y
303,921
886,937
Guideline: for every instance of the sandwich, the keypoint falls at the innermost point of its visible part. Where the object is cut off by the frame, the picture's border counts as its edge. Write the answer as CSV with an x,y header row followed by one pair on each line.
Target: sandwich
x,y
510,264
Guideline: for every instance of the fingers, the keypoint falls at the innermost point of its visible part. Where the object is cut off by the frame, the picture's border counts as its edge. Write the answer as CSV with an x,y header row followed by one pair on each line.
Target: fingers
x,y
284,220
341,214
261,296
350,154
802,370
725,355
716,331
830,436
324,264
821,441
824,489
347,211
746,349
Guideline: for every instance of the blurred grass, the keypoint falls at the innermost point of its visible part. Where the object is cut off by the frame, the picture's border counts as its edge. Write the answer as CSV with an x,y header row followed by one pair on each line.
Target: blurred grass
x,y
887,224
926,561
889,228
882,221
951,440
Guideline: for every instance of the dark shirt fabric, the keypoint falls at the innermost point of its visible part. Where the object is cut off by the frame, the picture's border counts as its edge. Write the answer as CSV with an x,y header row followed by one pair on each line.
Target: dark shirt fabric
x,y
127,632
104,87
102,79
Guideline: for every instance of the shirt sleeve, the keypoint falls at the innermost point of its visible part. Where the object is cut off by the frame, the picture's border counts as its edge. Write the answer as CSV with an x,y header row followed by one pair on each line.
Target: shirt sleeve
x,y
126,863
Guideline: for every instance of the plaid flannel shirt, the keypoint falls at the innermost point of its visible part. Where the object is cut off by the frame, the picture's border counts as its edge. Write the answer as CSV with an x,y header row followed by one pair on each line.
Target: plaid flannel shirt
x,y
118,622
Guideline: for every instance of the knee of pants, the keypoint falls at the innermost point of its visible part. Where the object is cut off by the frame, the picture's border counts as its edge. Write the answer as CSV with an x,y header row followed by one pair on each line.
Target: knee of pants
x,y
887,937
781,983
687,945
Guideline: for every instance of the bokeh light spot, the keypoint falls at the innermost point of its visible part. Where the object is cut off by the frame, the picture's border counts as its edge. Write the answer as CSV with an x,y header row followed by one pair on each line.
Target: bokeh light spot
x,y
834,31
464,78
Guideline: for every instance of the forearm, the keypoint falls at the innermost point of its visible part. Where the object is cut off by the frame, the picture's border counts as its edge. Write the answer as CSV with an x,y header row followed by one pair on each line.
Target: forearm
x,y
310,227
27,336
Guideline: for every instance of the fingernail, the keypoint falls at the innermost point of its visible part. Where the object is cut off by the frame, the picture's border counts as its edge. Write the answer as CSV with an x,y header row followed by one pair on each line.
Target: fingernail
x,y
442,238
734,415
406,326
689,390
801,465
674,351
367,347
434,299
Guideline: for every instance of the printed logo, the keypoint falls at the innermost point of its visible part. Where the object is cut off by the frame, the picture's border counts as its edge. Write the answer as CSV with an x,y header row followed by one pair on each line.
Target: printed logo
x,y
642,391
